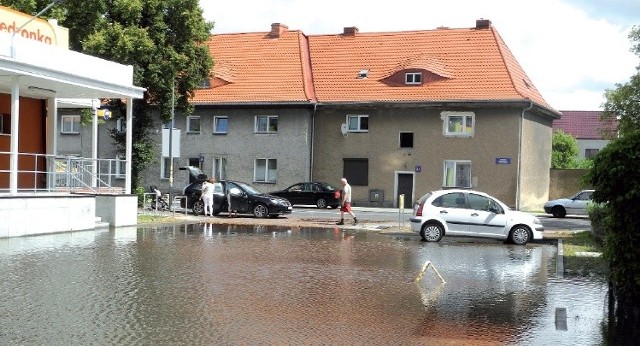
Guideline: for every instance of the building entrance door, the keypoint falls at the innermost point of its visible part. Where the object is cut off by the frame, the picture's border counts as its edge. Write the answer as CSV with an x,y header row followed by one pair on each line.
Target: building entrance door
x,y
404,186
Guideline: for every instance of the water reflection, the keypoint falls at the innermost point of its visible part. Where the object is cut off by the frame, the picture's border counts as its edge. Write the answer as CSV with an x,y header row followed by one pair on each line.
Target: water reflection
x,y
219,284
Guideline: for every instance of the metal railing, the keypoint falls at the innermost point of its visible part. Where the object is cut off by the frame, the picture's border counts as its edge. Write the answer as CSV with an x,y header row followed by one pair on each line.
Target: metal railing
x,y
39,173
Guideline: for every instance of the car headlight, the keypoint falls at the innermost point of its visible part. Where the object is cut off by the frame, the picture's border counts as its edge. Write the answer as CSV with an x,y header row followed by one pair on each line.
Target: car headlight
x,y
536,221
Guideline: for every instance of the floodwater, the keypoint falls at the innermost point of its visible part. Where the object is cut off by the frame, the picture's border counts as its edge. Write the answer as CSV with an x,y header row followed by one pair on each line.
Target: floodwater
x,y
205,284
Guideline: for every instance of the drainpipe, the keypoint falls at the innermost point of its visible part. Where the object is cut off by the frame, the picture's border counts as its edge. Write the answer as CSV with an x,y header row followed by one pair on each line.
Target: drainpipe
x,y
313,129
519,169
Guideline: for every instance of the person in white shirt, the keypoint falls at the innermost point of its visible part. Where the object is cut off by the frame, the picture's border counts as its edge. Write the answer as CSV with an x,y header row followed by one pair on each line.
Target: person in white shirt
x,y
345,206
208,187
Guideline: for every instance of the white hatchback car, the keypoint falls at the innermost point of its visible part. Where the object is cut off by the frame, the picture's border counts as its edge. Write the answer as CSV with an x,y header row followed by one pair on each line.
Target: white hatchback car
x,y
458,212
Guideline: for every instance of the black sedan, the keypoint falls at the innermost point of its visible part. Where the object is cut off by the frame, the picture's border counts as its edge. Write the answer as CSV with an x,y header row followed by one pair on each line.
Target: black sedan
x,y
244,198
321,195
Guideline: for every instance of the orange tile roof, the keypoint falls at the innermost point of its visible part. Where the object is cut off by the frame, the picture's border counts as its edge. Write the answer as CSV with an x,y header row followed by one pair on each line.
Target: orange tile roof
x,y
467,64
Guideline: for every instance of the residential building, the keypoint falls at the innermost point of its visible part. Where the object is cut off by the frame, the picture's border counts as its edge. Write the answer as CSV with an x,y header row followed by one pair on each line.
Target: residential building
x,y
591,133
396,113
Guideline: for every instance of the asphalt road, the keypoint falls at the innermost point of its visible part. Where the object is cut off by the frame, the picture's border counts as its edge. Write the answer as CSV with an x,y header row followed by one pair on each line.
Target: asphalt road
x,y
394,215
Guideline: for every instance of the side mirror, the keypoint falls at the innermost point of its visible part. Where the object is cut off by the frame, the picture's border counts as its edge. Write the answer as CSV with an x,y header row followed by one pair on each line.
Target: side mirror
x,y
234,191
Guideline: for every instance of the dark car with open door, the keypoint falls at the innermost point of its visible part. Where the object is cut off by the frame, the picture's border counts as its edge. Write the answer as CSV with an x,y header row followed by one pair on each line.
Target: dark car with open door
x,y
244,198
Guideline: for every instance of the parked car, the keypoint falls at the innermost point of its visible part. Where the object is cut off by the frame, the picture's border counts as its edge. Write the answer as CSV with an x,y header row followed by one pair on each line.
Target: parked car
x,y
321,195
245,199
458,212
574,205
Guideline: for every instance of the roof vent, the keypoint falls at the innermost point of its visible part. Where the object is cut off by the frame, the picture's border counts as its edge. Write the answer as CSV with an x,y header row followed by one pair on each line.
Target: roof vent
x,y
350,31
278,29
483,23
363,74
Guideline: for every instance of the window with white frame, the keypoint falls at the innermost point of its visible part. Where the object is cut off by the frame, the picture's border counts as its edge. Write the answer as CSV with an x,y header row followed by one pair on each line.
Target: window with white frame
x,y
220,124
165,166
458,123
193,124
266,124
457,173
358,123
265,170
219,168
121,167
70,124
413,78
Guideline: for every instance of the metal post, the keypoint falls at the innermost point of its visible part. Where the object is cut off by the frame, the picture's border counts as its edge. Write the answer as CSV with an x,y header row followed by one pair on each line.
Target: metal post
x,y
171,145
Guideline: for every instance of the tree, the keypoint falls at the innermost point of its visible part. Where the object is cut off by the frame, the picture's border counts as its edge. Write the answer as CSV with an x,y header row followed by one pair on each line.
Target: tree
x,y
164,41
564,150
617,187
623,102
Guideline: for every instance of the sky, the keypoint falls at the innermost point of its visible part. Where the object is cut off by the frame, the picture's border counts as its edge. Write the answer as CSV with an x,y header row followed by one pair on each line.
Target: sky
x,y
572,50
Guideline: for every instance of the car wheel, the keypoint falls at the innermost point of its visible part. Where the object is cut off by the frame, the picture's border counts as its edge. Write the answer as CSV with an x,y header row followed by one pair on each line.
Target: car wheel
x,y
198,207
431,232
321,203
520,235
558,211
260,210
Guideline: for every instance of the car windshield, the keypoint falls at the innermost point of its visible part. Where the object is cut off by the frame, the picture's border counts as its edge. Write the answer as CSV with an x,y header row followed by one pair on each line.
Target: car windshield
x,y
249,189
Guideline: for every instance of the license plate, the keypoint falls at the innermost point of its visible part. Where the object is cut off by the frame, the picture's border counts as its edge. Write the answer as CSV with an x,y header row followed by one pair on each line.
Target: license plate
x,y
290,208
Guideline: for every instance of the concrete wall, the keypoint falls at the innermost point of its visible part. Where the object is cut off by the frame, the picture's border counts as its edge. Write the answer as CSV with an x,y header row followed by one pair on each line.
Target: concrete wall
x,y
117,210
536,162
565,182
496,136
290,146
31,215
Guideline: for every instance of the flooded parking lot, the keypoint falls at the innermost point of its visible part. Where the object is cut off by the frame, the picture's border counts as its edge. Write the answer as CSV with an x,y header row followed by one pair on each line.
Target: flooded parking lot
x,y
204,284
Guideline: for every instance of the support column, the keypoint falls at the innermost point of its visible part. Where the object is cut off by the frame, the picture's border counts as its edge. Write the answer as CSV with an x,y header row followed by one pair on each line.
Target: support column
x,y
13,147
129,145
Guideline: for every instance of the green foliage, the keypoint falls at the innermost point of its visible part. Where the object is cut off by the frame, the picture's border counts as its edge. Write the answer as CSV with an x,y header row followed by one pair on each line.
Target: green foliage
x,y
617,185
623,102
564,150
164,41
139,191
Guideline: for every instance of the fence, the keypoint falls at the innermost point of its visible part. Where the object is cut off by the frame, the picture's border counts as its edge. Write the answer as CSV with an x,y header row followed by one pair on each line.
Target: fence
x,y
38,173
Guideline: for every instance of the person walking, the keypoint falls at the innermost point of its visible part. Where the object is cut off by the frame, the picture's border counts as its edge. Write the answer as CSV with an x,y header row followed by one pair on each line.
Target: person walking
x,y
208,188
345,206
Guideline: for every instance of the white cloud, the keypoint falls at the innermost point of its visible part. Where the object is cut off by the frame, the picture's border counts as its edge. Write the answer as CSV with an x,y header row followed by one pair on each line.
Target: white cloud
x,y
571,56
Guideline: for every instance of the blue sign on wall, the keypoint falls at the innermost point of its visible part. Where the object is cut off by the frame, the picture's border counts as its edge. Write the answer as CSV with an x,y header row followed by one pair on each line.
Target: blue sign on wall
x,y
503,160
418,168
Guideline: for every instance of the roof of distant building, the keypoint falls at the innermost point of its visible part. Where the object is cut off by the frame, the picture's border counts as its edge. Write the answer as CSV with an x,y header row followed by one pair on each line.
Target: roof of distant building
x,y
584,125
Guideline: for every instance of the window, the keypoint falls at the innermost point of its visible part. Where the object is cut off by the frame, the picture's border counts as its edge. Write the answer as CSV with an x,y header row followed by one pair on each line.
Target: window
x,y
406,139
195,161
4,123
220,124
121,125
219,168
483,203
70,124
457,174
265,170
356,171
121,167
413,78
450,200
165,168
266,123
193,124
358,123
458,123
590,153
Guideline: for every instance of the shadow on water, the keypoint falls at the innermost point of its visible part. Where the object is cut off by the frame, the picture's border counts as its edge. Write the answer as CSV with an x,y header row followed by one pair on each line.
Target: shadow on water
x,y
228,284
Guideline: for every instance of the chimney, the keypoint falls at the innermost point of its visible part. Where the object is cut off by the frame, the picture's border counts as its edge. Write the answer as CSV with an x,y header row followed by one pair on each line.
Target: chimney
x,y
350,31
278,29
483,24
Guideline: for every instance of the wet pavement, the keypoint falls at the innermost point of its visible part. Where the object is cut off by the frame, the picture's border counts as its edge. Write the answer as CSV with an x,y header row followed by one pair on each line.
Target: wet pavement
x,y
204,284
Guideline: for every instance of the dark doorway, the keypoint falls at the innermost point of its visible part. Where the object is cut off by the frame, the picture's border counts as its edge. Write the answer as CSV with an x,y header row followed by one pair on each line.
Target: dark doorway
x,y
405,186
